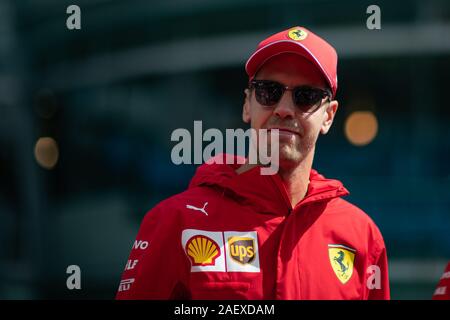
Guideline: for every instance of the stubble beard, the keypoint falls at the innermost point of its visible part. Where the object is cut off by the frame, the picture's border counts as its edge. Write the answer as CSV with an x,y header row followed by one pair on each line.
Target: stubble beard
x,y
293,153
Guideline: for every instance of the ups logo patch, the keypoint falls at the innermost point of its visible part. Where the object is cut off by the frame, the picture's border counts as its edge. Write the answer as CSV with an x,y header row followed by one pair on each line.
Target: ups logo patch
x,y
242,249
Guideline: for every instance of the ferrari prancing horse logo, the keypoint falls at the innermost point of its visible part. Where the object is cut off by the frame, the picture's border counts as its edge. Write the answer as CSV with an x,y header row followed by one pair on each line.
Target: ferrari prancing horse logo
x,y
341,259
297,34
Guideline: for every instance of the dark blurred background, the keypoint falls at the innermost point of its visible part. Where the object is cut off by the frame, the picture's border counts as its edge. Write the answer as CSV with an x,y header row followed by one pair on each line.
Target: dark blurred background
x,y
86,117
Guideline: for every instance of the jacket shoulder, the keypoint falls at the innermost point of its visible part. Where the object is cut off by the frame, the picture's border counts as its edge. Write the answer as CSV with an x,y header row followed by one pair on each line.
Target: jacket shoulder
x,y
355,219
348,210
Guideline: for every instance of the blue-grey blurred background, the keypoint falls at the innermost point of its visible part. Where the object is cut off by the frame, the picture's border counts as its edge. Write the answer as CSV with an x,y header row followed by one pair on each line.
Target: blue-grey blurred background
x,y
86,117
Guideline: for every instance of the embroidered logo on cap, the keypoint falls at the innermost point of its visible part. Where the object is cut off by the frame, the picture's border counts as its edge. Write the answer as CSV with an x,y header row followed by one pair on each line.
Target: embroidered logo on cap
x,y
297,34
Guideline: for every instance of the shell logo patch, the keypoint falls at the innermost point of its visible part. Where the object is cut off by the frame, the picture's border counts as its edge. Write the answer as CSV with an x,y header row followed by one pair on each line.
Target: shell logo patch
x,y
202,250
297,34
341,259
242,249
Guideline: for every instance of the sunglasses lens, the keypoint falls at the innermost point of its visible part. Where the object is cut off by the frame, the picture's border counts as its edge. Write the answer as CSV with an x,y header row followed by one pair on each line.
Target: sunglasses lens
x,y
268,93
306,97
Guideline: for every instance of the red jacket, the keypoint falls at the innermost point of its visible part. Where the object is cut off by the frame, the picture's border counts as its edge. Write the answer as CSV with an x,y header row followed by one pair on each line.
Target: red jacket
x,y
233,236
442,291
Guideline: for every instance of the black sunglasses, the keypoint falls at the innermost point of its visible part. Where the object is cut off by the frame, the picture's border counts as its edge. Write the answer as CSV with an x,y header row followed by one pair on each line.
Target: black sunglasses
x,y
269,93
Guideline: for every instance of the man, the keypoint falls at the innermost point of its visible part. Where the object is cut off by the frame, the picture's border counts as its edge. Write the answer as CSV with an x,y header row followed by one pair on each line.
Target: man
x,y
238,234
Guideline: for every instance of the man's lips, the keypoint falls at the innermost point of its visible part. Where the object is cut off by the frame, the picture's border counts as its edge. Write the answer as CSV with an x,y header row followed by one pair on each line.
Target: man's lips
x,y
285,130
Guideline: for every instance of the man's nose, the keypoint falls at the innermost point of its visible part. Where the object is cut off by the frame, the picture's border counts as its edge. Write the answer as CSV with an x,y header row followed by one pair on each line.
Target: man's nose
x,y
285,107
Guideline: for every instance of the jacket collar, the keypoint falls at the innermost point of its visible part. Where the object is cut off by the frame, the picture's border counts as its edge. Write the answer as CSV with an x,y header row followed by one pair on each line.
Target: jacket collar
x,y
266,194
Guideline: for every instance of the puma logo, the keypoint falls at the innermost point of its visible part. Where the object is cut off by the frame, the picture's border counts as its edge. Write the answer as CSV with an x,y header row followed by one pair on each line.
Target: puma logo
x,y
188,206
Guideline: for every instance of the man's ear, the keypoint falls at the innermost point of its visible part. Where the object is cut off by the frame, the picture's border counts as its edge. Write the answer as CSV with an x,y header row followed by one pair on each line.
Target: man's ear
x,y
328,116
246,108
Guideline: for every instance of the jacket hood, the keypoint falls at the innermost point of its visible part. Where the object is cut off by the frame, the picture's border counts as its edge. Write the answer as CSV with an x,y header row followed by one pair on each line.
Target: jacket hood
x,y
265,192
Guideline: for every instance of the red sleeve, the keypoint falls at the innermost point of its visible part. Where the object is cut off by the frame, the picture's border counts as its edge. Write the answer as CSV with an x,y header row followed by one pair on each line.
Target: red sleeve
x,y
156,267
442,291
378,289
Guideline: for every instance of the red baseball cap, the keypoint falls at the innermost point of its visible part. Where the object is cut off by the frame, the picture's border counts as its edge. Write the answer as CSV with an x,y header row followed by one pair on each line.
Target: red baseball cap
x,y
303,42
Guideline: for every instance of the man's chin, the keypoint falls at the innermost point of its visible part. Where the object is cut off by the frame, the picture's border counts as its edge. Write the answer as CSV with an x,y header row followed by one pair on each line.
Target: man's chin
x,y
289,158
